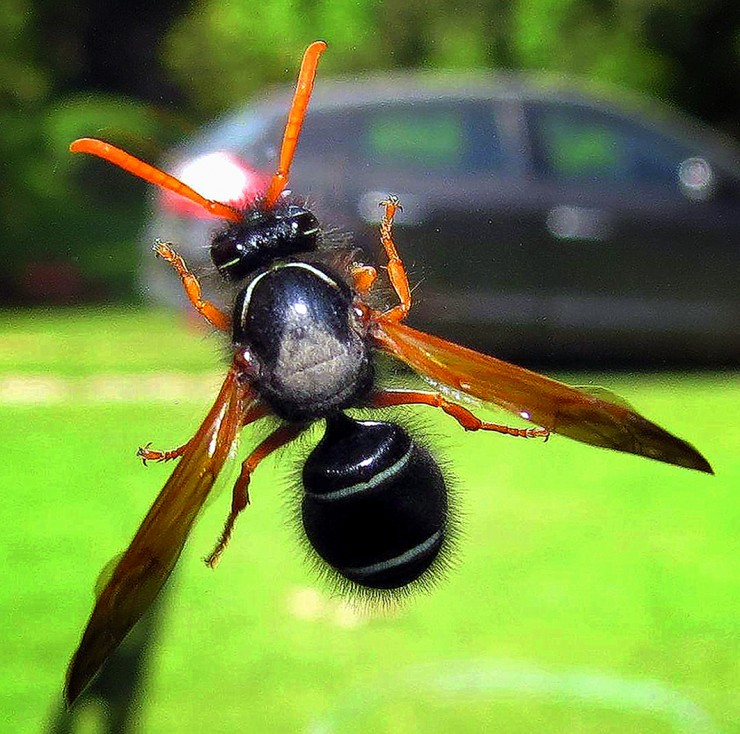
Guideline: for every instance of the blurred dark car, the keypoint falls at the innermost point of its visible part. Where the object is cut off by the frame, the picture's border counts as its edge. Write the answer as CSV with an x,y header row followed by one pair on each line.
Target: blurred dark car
x,y
541,223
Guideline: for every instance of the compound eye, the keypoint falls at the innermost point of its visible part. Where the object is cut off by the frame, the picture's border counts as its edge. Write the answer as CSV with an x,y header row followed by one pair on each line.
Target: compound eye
x,y
306,230
308,222
234,254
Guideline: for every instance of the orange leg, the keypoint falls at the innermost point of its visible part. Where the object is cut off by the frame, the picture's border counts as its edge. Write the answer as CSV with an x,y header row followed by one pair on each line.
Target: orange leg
x,y
256,411
206,309
147,454
240,495
463,416
396,270
363,277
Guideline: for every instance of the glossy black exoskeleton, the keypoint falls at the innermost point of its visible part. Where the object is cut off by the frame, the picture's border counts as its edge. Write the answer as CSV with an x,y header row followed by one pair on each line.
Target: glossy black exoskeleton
x,y
297,322
261,237
375,503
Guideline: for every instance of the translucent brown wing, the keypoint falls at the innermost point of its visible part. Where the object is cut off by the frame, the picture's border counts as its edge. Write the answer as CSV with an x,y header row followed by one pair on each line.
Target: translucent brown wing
x,y
566,410
145,566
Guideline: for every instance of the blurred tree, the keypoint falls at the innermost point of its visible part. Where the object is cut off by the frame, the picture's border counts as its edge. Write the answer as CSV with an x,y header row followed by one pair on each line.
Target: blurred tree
x,y
602,40
703,42
223,54
24,85
235,50
64,72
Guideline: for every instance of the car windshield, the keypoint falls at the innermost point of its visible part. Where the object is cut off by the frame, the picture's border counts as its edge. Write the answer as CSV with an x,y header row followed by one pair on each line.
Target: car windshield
x,y
245,132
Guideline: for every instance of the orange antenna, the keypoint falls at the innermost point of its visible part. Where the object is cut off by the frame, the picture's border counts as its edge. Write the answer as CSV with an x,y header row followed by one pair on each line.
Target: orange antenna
x,y
139,168
303,90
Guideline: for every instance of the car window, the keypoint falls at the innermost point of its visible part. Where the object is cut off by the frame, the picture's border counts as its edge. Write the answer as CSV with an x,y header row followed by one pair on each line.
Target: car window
x,y
410,136
576,142
425,136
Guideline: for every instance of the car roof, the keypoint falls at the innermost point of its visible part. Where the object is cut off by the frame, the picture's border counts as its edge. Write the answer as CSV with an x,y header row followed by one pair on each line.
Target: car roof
x,y
423,86
354,92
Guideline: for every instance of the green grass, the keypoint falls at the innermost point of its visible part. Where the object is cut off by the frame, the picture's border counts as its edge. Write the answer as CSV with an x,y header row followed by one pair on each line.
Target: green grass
x,y
83,342
595,592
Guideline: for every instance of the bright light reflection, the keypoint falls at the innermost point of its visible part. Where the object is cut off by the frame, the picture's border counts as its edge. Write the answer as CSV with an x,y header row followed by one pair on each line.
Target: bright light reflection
x,y
216,176
697,177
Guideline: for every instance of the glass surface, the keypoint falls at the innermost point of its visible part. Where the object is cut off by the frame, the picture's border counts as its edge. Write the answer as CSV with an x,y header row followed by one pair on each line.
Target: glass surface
x,y
573,142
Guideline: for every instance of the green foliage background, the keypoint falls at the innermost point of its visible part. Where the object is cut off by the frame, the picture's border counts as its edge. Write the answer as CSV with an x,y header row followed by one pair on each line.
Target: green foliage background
x,y
144,75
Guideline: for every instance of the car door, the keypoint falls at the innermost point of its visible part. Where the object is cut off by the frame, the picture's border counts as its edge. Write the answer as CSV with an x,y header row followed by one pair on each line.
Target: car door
x,y
636,263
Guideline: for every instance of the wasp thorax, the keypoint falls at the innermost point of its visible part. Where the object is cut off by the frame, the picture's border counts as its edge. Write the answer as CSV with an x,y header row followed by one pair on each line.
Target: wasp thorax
x,y
297,321
262,237
375,503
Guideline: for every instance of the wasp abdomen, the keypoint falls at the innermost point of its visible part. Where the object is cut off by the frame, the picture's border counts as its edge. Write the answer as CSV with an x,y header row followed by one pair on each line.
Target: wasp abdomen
x,y
375,503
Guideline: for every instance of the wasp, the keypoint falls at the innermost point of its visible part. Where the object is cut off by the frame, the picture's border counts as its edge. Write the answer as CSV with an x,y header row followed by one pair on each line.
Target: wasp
x,y
304,341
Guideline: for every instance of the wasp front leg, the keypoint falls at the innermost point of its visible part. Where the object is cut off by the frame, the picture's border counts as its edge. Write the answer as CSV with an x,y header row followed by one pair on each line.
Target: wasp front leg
x,y
211,313
396,270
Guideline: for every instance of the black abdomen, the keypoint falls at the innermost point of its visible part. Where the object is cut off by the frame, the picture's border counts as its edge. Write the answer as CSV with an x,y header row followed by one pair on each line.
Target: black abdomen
x,y
375,503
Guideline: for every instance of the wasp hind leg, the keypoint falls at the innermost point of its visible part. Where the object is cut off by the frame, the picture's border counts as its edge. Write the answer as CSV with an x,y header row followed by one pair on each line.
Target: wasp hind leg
x,y
463,416
240,495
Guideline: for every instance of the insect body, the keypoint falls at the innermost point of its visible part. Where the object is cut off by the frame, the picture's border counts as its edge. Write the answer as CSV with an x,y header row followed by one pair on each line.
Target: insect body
x,y
303,343
261,237
375,504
